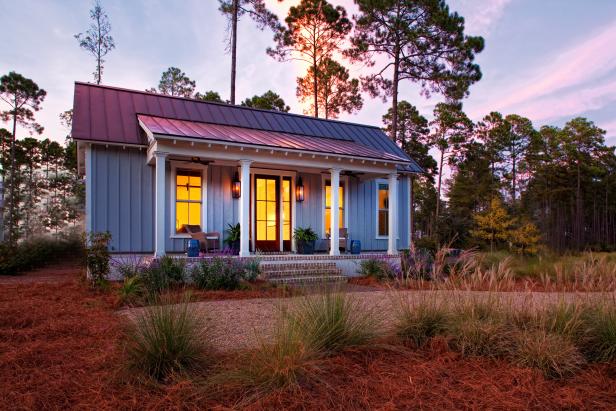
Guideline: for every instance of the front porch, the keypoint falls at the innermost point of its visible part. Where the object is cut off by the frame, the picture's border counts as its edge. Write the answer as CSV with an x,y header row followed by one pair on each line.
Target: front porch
x,y
275,191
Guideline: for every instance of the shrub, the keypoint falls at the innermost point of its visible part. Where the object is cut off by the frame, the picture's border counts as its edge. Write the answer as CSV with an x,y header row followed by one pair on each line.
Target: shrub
x,y
252,269
39,251
553,354
600,342
376,268
167,338
173,269
155,280
97,257
421,321
331,321
218,274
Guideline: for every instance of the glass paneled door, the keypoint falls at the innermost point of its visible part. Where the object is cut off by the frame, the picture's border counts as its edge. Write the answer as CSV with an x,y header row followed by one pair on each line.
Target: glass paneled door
x,y
267,222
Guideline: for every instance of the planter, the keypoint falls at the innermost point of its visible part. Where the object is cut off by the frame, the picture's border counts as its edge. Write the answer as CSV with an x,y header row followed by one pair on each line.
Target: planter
x,y
305,247
235,247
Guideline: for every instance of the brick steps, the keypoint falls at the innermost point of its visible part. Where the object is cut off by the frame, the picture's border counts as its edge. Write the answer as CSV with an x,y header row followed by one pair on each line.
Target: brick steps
x,y
299,273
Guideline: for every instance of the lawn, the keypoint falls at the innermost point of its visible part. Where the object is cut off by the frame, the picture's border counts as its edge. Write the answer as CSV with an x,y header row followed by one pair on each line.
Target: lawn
x,y
61,347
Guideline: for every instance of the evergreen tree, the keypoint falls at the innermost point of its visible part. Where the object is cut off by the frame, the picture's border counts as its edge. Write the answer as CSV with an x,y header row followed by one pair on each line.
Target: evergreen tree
x,y
267,101
314,32
418,41
336,93
97,40
525,238
209,95
175,82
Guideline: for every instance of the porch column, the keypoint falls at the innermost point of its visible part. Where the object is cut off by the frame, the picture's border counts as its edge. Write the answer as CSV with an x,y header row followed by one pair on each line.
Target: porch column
x,y
159,209
334,248
245,208
392,216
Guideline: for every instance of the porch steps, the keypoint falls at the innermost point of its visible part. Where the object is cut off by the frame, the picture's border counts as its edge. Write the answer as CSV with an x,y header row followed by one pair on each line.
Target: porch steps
x,y
299,273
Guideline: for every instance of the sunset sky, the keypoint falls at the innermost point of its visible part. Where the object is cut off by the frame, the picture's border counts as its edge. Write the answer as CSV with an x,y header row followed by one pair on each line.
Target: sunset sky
x,y
549,60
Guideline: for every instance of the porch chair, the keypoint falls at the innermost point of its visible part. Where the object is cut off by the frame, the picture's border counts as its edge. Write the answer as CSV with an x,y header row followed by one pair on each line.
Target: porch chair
x,y
207,241
343,241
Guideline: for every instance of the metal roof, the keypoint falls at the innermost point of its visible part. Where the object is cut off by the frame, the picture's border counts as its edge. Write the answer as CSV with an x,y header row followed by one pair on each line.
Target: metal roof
x,y
109,115
216,132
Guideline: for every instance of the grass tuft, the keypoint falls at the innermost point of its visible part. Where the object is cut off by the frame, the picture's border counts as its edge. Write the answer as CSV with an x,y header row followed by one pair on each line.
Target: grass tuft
x,y
600,342
419,322
553,354
167,338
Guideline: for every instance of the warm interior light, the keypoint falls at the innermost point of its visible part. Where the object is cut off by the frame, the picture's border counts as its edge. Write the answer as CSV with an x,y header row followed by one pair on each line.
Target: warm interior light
x,y
236,186
299,190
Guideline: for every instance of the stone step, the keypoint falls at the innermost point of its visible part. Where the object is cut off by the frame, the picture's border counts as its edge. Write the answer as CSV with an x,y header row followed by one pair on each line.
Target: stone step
x,y
301,272
267,267
310,279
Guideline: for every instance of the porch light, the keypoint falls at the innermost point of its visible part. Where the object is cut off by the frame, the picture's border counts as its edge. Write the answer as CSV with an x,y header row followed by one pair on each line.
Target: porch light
x,y
236,186
299,190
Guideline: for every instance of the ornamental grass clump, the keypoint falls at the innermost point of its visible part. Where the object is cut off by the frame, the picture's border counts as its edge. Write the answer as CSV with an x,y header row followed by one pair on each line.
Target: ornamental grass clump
x,y
331,321
600,339
167,338
420,321
553,354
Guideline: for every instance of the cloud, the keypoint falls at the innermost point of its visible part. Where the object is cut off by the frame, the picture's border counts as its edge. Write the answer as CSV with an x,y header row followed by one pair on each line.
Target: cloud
x,y
576,66
480,16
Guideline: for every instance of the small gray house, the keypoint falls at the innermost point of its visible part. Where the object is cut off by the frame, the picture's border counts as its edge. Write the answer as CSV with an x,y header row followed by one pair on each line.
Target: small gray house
x,y
156,164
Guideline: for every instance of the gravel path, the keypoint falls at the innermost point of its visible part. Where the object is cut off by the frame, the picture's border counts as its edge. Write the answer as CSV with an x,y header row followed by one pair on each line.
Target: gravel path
x,y
239,324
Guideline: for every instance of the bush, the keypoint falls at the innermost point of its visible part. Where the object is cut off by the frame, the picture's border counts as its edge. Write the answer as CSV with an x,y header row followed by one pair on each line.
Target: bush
x,y
39,251
553,354
167,338
252,269
331,321
173,269
97,257
154,280
377,269
421,321
218,274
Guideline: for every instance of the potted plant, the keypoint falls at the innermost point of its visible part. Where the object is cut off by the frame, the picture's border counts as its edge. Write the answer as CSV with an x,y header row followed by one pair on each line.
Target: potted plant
x,y
305,238
233,238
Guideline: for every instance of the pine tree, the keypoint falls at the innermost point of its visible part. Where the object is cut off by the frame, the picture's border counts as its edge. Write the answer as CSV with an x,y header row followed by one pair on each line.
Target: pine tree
x,y
525,238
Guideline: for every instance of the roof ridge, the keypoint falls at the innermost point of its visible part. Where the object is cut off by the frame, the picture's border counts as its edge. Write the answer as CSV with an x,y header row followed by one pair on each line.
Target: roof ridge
x,y
225,104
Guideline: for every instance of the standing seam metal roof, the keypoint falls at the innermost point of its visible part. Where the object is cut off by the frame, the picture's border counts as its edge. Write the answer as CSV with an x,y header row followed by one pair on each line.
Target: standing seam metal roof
x,y
109,114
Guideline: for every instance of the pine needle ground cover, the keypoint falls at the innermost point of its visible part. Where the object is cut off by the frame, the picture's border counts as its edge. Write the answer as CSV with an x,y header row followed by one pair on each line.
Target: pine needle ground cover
x,y
61,348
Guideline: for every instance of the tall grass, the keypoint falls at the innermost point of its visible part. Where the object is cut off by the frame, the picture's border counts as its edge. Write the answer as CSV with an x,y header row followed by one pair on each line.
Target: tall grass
x,y
419,321
167,338
600,341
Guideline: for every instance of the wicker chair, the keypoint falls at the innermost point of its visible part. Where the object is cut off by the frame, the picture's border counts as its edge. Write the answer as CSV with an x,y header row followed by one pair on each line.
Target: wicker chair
x,y
207,241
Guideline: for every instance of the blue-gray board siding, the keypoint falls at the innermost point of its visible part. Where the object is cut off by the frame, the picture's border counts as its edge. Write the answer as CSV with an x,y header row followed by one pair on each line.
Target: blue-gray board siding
x,y
123,203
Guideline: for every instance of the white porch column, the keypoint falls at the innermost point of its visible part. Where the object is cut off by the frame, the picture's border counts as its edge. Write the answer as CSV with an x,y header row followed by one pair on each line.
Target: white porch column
x,y
245,208
334,233
159,209
392,216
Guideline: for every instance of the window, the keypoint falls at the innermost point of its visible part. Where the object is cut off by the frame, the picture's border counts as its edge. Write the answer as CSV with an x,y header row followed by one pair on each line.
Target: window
x,y
188,199
286,209
383,209
266,208
328,206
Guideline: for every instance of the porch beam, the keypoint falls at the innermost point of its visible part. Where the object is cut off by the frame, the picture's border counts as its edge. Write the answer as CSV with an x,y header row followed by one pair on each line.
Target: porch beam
x,y
334,248
159,210
392,248
244,207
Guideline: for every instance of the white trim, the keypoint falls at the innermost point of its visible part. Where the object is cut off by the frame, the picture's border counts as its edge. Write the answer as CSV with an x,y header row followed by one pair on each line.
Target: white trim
x,y
345,180
172,197
244,207
392,243
159,209
334,244
89,188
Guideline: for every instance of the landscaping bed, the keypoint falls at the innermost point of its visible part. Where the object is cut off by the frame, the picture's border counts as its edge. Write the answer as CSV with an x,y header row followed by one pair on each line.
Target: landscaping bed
x,y
61,346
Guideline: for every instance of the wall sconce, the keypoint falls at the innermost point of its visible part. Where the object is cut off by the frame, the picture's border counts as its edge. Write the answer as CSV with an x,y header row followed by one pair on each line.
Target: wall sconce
x,y
299,190
236,186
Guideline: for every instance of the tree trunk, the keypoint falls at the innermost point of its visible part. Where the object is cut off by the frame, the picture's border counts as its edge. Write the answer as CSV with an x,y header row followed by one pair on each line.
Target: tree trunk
x,y
12,179
233,49
394,98
438,187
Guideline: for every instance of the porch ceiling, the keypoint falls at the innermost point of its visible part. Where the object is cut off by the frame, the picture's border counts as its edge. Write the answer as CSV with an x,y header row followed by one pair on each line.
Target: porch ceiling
x,y
260,138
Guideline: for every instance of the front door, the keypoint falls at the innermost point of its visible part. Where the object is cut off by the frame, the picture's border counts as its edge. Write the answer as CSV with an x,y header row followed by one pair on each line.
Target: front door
x,y
267,222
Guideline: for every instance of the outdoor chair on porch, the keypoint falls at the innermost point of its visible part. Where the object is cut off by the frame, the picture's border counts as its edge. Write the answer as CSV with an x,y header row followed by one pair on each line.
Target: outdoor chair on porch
x,y
343,241
208,242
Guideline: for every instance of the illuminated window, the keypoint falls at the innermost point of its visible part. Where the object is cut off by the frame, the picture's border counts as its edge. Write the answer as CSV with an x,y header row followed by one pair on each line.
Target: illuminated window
x,y
266,209
286,209
328,206
383,209
188,199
